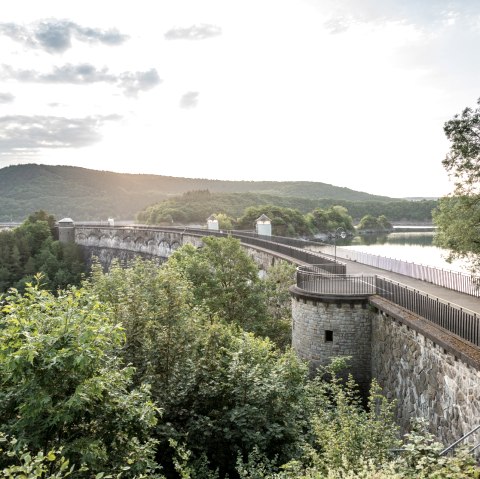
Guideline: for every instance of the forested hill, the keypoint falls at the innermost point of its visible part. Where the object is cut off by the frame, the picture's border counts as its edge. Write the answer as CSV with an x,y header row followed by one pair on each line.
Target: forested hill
x,y
90,194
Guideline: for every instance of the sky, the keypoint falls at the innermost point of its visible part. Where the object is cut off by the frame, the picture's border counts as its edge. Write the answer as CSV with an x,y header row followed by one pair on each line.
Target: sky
x,y
352,93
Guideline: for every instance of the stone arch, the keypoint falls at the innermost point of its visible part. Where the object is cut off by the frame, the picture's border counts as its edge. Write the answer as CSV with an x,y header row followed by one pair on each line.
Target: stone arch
x,y
163,248
175,245
140,240
93,237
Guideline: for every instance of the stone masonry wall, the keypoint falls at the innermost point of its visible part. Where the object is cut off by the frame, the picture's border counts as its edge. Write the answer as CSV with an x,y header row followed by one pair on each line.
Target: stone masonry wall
x,y
427,374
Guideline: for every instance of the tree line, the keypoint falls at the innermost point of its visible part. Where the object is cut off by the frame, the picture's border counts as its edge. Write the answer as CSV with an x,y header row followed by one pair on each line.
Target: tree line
x,y
285,221
196,206
32,248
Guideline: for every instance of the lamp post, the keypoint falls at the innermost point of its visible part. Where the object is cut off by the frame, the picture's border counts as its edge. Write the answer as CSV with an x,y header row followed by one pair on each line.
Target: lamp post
x,y
339,233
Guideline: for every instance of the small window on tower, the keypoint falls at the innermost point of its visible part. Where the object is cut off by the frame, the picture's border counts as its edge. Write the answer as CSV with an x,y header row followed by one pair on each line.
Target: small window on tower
x,y
328,336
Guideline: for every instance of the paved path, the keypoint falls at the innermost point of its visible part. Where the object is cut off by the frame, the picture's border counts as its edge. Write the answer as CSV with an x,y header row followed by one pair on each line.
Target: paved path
x,y
463,300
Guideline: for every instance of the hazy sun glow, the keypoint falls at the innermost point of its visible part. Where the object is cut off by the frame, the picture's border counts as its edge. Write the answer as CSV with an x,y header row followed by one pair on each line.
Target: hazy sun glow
x,y
274,90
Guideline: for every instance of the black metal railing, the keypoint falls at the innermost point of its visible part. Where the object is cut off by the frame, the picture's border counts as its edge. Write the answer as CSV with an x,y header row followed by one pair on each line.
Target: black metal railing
x,y
453,318
459,321
328,264
470,439
314,279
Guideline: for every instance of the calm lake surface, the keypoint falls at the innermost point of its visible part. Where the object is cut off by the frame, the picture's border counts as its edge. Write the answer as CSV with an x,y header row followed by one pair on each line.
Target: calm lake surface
x,y
413,246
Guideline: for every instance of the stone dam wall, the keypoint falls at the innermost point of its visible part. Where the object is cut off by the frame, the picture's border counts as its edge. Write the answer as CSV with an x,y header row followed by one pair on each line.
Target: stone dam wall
x,y
428,372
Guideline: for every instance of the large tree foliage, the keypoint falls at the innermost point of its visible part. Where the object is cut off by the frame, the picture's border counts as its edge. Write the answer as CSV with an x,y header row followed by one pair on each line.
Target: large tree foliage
x,y
222,391
463,159
196,207
285,221
225,280
458,215
370,223
65,386
328,220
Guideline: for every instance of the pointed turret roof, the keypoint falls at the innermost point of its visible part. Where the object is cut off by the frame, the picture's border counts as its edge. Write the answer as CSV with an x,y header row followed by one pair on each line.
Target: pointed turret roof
x,y
263,218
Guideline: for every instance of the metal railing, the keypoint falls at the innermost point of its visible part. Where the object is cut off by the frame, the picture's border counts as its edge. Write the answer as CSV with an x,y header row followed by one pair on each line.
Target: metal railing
x,y
455,280
467,438
328,264
459,321
462,322
314,279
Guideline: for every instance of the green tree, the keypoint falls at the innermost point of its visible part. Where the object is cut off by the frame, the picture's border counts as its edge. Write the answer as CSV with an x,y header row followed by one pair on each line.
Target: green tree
x,y
463,159
64,386
370,223
278,323
155,307
285,221
225,222
328,220
246,395
222,391
458,221
458,215
44,217
225,280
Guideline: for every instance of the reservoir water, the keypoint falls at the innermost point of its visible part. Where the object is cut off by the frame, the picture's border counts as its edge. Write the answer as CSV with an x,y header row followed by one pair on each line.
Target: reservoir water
x,y
413,246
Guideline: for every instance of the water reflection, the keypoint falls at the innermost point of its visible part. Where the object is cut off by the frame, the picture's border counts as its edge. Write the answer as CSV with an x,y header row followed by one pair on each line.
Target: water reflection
x,y
416,238
412,238
416,247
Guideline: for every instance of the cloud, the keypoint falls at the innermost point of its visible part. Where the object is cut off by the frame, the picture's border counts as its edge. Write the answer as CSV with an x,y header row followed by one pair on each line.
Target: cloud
x,y
55,36
424,15
189,100
6,97
195,32
440,35
337,24
132,83
84,73
25,135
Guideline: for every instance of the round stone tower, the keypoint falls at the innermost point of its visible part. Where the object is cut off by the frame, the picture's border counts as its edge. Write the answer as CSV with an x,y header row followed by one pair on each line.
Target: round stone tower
x,y
330,319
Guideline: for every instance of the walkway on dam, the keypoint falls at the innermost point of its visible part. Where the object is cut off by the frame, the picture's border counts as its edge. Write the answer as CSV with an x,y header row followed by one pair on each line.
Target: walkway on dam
x,y
463,300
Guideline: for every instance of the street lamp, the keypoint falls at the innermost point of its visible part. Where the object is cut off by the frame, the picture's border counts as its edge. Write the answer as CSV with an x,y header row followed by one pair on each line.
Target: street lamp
x,y
339,233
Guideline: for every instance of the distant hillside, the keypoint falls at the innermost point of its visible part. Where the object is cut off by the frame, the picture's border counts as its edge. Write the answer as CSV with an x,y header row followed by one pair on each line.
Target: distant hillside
x,y
85,194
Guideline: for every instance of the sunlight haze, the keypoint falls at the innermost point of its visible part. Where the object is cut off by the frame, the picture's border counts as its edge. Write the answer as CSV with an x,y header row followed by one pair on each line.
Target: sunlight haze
x,y
350,92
